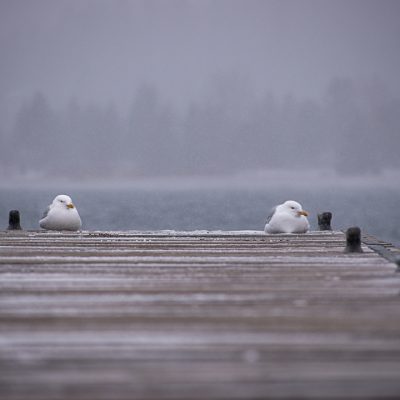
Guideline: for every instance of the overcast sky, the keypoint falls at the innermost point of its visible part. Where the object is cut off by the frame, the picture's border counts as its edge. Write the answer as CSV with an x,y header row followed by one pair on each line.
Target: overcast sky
x,y
97,50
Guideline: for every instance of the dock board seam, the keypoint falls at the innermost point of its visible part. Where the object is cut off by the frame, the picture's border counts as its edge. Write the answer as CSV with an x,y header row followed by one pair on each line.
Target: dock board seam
x,y
383,249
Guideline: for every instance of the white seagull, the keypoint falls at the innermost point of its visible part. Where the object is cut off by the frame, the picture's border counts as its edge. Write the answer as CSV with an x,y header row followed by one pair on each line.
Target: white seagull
x,y
61,215
288,217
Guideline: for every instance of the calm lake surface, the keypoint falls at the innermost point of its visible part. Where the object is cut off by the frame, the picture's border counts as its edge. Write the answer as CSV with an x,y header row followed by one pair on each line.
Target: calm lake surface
x,y
376,211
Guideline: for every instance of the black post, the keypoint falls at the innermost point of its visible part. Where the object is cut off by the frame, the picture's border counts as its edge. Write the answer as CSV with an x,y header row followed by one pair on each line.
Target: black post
x,y
397,261
324,221
14,221
353,240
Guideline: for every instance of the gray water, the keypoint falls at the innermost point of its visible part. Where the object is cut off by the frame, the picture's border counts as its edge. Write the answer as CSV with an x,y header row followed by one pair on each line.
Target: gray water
x,y
375,211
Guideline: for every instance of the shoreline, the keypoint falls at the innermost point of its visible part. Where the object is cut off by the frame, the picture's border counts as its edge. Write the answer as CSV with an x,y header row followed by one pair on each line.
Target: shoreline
x,y
258,179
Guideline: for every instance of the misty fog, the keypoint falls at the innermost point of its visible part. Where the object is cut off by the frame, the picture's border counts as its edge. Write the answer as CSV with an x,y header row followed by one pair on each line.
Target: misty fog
x,y
128,89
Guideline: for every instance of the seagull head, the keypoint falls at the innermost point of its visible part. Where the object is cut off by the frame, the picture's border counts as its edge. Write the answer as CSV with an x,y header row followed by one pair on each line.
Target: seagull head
x,y
294,208
62,200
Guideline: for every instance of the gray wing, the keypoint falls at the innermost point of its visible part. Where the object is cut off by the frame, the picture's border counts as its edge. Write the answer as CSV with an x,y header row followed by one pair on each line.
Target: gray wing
x,y
46,212
270,215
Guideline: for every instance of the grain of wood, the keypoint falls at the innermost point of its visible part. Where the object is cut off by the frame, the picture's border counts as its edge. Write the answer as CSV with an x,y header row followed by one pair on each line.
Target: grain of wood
x,y
196,315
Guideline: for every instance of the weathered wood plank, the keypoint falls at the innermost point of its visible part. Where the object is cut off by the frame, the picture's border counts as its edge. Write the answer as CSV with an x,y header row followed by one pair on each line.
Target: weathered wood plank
x,y
193,315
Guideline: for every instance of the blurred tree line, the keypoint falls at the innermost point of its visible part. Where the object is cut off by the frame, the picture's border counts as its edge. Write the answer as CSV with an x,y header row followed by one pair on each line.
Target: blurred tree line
x,y
354,129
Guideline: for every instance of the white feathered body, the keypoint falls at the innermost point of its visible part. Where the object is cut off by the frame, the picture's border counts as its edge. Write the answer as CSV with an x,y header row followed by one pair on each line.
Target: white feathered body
x,y
288,218
61,215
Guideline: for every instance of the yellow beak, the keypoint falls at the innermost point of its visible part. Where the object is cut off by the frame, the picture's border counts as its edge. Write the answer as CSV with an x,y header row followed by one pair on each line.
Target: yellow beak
x,y
302,212
70,205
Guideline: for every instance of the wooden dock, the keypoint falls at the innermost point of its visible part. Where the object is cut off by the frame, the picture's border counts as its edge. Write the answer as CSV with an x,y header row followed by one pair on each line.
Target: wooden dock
x,y
223,315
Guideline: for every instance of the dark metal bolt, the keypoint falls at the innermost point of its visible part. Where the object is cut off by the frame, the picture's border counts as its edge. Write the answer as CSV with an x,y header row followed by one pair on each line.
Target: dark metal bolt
x,y
353,240
14,221
324,221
